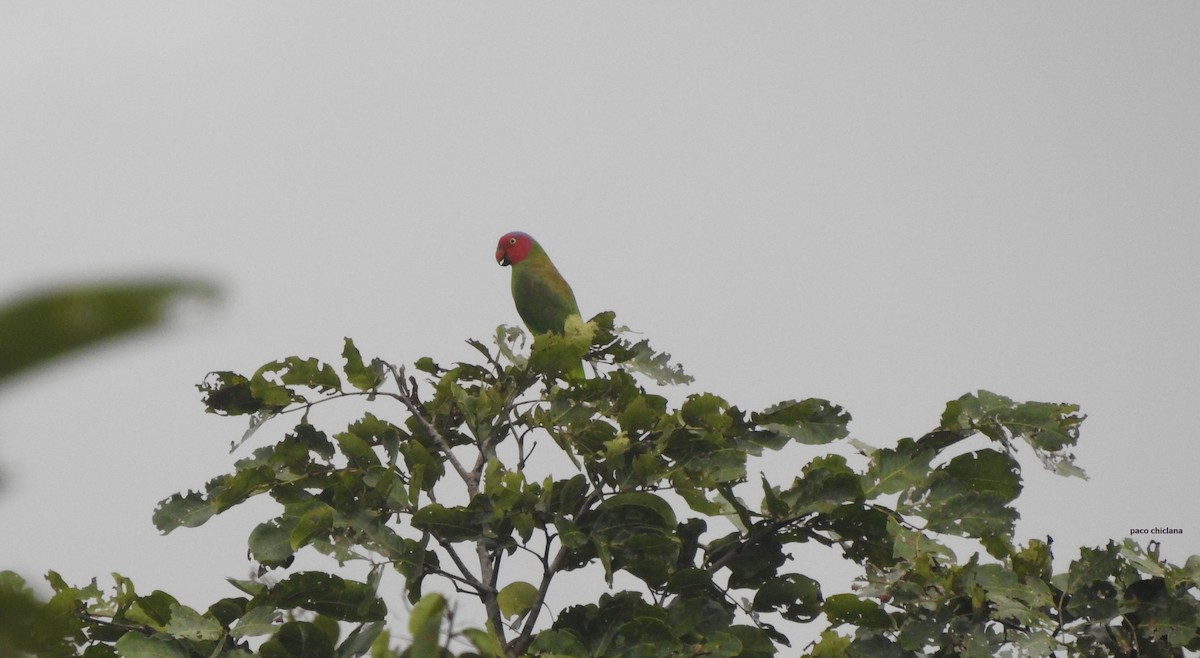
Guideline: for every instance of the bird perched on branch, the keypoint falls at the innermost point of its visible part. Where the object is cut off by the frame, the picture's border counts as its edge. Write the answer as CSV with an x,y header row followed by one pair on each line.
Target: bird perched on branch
x,y
543,298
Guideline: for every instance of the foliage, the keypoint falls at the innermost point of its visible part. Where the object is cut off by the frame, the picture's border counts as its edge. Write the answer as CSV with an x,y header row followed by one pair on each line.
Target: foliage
x,y
36,329
42,326
493,479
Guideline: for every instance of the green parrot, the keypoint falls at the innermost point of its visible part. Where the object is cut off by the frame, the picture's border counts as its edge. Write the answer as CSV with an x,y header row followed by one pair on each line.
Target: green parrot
x,y
544,299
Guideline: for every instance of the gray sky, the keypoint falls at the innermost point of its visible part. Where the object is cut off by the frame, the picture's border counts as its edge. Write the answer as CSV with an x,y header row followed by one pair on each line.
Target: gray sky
x,y
884,205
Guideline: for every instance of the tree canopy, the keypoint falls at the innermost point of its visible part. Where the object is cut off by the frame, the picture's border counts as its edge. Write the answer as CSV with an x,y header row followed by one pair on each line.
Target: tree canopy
x,y
479,485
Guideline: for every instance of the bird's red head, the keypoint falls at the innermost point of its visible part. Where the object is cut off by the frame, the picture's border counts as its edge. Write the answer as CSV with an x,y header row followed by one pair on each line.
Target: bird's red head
x,y
513,248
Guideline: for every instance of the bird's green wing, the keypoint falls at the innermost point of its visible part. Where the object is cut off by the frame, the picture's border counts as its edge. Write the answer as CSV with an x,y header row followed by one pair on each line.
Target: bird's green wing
x,y
543,298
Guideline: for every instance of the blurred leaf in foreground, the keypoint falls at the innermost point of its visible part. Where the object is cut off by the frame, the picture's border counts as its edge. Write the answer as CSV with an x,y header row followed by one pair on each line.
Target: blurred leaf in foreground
x,y
42,326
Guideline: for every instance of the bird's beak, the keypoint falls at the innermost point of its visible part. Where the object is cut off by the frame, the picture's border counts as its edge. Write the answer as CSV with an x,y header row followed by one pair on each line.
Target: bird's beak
x,y
501,258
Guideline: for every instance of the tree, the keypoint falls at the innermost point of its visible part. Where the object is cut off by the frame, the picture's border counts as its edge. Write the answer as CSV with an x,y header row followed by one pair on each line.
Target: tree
x,y
484,483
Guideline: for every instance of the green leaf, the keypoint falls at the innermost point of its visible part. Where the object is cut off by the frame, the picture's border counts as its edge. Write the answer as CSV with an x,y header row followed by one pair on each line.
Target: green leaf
x,y
46,325
912,545
893,470
880,646
188,511
691,582
752,562
849,609
969,496
642,413
229,490
757,642
826,484
30,626
271,382
795,596
329,626
951,510
831,645
649,557
1089,582
706,411
988,471
251,587
863,532
699,615
558,355
479,409
136,645
1033,561
362,377
1048,427
357,451
689,533
486,643
315,523
569,534
154,610
516,598
327,594
359,641
1012,598
1036,643
425,624
635,531
226,611
453,524
229,394
722,645
812,421
257,621
298,639
426,364
653,510
270,542
554,643
656,365
190,625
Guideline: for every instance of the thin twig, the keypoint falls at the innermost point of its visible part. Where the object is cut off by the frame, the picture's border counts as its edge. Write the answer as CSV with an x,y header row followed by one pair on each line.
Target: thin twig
x,y
460,584
550,569
522,642
468,577
115,624
471,479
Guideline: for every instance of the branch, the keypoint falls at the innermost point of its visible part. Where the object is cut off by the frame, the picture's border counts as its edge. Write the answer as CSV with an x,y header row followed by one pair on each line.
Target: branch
x,y
136,628
468,577
550,568
405,397
522,642
490,603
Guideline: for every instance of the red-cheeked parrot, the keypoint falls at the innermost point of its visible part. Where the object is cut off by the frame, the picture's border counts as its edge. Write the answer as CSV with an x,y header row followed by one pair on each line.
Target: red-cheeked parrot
x,y
544,299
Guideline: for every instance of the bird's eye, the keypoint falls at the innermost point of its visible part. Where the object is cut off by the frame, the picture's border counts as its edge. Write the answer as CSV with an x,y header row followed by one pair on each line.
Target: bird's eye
x,y
512,240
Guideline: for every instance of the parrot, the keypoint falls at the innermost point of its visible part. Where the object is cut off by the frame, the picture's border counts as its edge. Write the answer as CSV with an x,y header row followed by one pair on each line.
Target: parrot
x,y
542,296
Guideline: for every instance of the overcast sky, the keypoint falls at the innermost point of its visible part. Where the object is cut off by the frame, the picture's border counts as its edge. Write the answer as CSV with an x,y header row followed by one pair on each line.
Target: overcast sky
x,y
885,205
